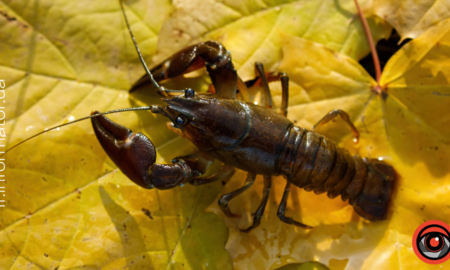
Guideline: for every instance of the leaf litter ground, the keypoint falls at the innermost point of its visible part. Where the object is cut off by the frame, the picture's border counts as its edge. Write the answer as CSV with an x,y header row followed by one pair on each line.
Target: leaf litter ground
x,y
72,208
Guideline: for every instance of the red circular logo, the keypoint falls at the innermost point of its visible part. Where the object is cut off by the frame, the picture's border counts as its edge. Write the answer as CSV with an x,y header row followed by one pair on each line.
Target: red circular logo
x,y
431,242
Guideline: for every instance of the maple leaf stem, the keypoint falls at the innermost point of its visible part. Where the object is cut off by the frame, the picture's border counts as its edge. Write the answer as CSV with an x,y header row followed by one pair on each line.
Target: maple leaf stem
x,y
376,61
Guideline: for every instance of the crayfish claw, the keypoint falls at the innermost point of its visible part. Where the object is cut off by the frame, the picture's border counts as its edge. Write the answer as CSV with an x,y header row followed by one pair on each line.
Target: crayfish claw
x,y
109,128
133,153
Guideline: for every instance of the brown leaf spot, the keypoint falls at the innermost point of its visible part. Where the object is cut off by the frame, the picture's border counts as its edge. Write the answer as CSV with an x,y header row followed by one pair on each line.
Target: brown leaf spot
x,y
9,18
147,213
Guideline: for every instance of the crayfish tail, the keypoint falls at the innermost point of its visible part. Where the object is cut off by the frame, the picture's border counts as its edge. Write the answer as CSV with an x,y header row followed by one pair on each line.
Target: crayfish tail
x,y
312,162
374,198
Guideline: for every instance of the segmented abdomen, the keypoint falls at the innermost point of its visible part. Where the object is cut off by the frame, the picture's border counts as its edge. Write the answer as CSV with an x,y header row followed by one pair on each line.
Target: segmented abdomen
x,y
312,162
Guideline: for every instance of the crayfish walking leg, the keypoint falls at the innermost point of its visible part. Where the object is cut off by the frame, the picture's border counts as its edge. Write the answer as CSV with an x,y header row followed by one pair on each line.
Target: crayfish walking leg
x,y
333,114
282,209
223,201
262,206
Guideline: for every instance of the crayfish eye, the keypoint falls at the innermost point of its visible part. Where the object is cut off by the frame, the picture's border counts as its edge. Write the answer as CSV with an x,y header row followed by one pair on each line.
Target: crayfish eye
x,y
181,120
189,93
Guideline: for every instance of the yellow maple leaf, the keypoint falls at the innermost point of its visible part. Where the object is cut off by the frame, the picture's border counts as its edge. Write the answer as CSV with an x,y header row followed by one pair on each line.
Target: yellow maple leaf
x,y
412,18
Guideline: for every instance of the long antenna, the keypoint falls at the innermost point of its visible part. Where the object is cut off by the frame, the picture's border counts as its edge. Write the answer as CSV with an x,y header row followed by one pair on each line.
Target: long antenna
x,y
155,84
145,108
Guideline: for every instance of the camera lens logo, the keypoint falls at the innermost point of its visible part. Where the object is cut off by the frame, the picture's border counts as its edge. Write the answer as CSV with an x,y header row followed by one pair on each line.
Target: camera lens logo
x,y
431,242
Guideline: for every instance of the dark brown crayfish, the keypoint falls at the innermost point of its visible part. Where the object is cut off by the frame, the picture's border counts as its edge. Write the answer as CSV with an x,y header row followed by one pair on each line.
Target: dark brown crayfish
x,y
242,135
245,136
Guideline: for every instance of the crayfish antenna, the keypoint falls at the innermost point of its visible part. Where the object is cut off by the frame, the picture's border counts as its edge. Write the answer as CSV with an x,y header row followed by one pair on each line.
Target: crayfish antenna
x,y
161,89
155,84
145,108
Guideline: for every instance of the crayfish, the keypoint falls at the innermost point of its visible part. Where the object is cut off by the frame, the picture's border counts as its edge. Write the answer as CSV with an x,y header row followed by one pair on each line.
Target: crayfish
x,y
242,135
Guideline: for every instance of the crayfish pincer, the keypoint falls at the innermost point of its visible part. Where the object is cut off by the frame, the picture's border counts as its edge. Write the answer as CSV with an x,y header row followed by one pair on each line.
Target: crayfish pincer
x,y
246,136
